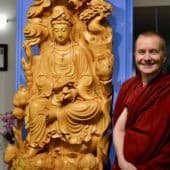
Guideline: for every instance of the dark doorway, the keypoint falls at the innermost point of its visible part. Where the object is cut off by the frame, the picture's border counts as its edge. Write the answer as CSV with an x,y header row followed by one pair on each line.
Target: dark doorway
x,y
154,19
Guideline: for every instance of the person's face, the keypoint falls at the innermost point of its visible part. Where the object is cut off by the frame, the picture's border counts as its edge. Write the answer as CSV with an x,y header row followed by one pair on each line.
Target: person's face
x,y
149,55
61,33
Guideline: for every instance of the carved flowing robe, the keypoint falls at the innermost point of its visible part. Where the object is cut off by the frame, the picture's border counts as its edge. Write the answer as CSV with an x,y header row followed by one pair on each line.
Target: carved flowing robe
x,y
75,119
147,135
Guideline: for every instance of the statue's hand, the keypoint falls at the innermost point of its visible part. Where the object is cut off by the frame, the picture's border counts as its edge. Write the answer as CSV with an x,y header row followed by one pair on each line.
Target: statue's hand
x,y
69,94
60,85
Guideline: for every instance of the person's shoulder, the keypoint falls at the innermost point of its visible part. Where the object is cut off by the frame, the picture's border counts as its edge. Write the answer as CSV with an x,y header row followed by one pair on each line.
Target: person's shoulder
x,y
165,78
164,85
127,85
165,75
130,81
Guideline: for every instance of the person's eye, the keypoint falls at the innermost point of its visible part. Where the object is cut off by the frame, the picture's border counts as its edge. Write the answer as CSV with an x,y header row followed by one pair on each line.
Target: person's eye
x,y
141,52
154,52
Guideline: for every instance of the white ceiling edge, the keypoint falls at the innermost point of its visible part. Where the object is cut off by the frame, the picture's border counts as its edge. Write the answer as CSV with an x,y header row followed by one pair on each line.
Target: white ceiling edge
x,y
149,3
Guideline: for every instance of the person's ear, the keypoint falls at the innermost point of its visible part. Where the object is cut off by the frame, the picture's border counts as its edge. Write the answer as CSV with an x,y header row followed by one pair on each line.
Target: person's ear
x,y
164,58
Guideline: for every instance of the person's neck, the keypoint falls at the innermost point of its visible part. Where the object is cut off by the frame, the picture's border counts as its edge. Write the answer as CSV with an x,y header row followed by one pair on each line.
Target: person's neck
x,y
146,79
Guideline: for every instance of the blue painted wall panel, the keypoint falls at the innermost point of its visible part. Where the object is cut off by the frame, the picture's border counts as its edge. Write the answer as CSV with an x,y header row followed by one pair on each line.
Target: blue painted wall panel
x,y
122,25
121,21
22,7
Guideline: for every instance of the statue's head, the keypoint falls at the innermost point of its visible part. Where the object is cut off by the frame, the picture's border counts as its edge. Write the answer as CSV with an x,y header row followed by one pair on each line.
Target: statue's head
x,y
61,23
21,97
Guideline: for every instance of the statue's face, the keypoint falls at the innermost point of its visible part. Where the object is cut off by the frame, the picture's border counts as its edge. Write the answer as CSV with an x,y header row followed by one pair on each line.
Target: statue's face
x,y
61,33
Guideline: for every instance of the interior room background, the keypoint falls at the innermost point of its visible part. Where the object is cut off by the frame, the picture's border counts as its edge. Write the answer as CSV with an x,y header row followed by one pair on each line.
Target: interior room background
x,y
148,15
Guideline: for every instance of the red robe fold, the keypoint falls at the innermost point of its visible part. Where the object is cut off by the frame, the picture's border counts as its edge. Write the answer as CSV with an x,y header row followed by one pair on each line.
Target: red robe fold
x,y
147,137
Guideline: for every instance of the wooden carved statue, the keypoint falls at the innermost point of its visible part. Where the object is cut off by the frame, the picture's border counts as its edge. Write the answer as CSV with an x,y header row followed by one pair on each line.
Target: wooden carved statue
x,y
66,101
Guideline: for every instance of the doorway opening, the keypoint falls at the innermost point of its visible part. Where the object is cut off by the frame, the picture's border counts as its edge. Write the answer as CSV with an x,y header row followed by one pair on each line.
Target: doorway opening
x,y
155,18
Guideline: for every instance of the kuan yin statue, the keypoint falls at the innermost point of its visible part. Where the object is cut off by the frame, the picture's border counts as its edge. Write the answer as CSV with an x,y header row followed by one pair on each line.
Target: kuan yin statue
x,y
65,104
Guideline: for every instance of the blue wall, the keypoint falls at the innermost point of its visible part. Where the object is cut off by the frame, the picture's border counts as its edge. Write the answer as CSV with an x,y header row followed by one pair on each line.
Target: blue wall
x,y
122,24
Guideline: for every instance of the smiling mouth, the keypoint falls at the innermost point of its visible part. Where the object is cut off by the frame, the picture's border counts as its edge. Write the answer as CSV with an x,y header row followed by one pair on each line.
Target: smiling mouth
x,y
148,64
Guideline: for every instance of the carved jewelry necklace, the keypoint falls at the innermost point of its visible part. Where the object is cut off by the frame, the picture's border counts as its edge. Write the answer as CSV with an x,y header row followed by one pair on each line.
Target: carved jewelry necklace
x,y
62,52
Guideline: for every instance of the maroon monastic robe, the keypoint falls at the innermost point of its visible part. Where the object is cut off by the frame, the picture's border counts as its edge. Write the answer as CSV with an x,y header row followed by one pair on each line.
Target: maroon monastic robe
x,y
147,136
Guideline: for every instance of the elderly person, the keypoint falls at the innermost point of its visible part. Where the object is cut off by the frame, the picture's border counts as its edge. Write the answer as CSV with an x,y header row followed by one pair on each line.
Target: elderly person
x,y
142,116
